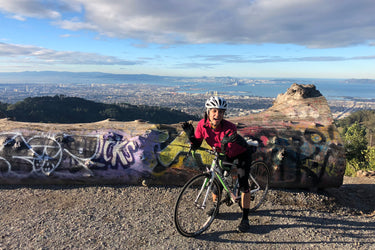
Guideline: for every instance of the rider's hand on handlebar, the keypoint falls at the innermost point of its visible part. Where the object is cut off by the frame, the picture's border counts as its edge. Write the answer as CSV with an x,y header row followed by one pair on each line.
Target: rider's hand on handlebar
x,y
222,157
227,139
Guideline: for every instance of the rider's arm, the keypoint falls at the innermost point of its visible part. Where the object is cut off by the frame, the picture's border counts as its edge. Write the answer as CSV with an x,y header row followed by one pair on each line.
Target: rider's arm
x,y
233,149
236,146
198,135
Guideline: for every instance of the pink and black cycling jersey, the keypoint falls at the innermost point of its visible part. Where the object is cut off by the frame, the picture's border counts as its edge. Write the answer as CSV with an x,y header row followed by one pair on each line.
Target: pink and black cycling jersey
x,y
213,137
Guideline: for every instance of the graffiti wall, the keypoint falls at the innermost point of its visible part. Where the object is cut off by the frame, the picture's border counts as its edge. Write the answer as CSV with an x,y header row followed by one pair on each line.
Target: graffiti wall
x,y
299,156
108,155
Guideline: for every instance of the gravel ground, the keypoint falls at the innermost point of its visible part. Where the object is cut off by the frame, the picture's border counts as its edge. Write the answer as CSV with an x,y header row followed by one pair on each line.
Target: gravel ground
x,y
138,217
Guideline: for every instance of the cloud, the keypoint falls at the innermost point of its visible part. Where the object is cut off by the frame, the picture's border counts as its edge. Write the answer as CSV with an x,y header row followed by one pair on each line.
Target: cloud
x,y
75,25
48,56
49,9
66,35
195,65
19,18
311,23
224,59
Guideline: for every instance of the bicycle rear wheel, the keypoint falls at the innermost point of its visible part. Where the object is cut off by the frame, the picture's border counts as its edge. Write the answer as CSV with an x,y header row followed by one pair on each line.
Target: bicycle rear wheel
x,y
191,216
259,180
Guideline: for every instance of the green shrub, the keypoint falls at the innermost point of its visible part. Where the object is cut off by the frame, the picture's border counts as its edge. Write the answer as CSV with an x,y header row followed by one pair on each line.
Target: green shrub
x,y
355,142
370,158
353,166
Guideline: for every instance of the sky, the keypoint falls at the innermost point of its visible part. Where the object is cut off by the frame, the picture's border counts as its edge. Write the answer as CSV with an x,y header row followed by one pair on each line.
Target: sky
x,y
237,38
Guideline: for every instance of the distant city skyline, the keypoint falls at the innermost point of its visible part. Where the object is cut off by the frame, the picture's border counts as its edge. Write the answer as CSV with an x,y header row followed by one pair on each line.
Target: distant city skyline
x,y
236,38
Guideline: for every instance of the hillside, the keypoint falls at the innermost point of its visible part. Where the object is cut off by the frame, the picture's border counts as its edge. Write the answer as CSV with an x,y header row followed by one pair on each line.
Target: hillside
x,y
365,118
64,109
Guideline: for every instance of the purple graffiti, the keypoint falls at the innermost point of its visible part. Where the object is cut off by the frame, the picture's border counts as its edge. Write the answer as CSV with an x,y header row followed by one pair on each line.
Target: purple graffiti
x,y
117,151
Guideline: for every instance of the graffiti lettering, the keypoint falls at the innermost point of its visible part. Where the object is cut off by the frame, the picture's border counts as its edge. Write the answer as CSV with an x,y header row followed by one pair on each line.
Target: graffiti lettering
x,y
118,152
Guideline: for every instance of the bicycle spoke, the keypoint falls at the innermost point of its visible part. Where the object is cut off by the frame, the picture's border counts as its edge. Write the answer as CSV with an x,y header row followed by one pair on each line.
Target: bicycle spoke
x,y
259,183
193,204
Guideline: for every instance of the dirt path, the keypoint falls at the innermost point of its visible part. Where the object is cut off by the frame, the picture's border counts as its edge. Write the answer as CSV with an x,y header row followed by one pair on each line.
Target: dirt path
x,y
137,217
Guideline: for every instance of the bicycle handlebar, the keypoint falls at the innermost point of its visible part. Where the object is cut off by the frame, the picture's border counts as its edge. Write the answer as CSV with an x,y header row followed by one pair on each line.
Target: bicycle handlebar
x,y
210,151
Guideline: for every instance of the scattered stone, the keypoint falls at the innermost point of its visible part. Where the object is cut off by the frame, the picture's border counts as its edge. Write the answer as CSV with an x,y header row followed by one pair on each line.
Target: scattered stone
x,y
137,217
363,173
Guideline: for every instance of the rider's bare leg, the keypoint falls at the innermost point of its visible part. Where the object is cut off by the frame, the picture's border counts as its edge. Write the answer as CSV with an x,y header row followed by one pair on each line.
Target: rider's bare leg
x,y
245,200
214,197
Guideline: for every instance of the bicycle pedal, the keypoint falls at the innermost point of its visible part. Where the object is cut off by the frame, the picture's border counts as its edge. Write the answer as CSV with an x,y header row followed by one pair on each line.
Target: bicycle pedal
x,y
229,203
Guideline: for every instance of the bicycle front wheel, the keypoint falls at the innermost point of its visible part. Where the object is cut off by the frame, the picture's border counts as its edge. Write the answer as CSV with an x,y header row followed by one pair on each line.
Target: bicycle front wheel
x,y
259,181
195,207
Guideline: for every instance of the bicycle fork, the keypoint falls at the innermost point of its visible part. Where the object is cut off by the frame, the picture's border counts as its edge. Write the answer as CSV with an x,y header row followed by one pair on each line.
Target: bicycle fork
x,y
207,182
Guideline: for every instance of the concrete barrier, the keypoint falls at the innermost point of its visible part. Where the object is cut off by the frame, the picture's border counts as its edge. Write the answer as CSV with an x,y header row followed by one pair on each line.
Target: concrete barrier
x,y
297,139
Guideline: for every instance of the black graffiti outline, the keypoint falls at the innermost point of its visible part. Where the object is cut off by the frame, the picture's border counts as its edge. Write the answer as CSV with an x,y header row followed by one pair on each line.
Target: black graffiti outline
x,y
278,146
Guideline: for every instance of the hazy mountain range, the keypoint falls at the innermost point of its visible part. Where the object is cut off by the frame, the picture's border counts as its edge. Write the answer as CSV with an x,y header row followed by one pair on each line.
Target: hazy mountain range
x,y
99,77
76,77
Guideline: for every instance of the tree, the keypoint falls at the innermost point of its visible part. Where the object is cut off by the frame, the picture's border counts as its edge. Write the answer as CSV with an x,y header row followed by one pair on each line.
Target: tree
x,y
370,158
355,142
364,117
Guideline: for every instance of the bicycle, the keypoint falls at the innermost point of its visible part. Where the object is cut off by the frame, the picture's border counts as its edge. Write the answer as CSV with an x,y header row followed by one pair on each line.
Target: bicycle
x,y
191,216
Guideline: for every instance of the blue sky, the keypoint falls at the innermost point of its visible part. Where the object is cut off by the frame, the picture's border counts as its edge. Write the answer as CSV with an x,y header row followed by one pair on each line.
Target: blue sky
x,y
238,38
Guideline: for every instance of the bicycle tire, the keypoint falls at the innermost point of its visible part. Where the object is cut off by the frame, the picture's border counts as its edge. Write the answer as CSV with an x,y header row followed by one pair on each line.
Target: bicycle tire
x,y
261,173
190,219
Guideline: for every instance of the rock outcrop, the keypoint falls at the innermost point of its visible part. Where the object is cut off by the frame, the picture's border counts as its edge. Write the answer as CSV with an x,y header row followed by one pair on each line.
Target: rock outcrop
x,y
297,138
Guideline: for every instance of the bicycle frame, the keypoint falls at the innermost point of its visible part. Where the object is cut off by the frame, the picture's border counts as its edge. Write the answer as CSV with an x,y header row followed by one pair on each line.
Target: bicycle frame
x,y
222,180
215,172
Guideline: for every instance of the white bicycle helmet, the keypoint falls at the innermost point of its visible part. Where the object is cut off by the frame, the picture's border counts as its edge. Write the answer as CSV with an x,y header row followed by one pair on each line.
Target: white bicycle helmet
x,y
215,102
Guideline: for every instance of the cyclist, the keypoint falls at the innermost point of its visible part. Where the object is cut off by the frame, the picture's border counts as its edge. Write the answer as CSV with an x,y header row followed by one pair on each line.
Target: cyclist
x,y
222,134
